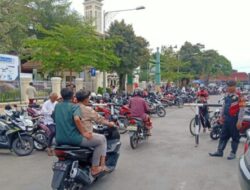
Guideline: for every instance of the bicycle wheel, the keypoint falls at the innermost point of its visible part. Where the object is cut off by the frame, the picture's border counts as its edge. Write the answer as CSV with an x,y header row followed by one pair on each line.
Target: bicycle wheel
x,y
192,126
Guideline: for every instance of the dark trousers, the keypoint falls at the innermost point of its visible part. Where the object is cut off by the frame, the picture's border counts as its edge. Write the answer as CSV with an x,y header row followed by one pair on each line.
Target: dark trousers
x,y
31,101
205,120
52,128
229,130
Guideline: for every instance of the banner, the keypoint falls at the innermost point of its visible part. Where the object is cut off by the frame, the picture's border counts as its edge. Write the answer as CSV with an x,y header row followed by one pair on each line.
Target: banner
x,y
9,67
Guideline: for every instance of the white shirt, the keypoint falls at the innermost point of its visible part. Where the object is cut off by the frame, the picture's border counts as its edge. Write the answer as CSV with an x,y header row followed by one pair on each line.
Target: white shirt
x,y
31,92
47,110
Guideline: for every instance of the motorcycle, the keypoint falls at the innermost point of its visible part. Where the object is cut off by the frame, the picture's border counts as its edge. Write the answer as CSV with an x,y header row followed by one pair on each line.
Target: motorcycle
x,y
137,132
216,129
156,107
14,137
72,170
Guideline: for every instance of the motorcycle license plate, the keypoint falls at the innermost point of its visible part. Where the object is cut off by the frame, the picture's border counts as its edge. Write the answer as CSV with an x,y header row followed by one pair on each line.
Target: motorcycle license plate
x,y
60,166
132,128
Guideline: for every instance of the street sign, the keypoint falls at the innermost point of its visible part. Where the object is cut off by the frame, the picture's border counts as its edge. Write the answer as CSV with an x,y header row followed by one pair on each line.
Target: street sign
x,y
93,72
9,67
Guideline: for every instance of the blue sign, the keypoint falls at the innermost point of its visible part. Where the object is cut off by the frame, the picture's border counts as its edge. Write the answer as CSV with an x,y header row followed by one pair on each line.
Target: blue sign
x,y
93,72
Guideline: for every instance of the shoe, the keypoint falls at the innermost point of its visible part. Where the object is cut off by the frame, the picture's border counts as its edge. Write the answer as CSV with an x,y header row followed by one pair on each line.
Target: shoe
x,y
216,154
231,156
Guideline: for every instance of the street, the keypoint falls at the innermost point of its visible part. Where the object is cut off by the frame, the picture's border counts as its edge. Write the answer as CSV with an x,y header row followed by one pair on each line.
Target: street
x,y
167,161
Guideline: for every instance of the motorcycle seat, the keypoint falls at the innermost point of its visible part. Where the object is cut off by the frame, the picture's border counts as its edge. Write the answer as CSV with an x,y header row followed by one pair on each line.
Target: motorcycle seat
x,y
69,147
137,119
246,118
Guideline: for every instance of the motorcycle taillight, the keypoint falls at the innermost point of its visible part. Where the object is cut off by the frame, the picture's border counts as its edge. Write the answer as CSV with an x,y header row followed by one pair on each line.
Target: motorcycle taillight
x,y
132,121
60,154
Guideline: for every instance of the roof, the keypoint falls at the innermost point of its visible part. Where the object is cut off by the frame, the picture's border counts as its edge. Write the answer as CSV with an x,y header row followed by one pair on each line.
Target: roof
x,y
237,76
30,65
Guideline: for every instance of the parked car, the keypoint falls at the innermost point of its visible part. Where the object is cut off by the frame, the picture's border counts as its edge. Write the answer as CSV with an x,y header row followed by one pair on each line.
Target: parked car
x,y
244,165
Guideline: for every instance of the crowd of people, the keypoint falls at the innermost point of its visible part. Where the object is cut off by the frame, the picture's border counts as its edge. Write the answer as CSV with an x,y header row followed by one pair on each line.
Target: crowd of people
x,y
70,119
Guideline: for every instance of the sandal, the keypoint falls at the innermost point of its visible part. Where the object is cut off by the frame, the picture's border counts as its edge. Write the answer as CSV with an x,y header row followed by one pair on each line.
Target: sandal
x,y
98,171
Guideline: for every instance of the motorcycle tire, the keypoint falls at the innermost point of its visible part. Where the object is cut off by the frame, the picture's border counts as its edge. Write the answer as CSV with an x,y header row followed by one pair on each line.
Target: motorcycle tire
x,y
215,134
134,141
161,112
192,127
180,103
28,146
40,141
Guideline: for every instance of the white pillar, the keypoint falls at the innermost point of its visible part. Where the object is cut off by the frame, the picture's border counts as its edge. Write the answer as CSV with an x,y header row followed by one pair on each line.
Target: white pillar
x,y
79,84
56,85
25,80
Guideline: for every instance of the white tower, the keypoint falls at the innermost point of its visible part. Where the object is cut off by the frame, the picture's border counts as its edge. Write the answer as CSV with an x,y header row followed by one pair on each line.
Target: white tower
x,y
93,10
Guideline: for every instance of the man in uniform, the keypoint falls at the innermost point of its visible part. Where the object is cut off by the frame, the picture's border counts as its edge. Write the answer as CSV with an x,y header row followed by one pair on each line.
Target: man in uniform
x,y
231,117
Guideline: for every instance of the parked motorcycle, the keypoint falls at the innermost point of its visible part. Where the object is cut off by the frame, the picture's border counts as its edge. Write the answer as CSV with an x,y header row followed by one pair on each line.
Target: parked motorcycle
x,y
156,107
72,170
15,138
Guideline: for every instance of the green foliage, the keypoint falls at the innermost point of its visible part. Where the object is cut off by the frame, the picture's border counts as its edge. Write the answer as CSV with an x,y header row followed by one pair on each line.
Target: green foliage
x,y
19,20
131,49
100,90
10,96
71,48
192,61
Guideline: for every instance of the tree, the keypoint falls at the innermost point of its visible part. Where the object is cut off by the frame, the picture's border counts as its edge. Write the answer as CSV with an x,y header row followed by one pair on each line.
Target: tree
x,y
172,68
19,20
13,25
71,48
204,63
131,49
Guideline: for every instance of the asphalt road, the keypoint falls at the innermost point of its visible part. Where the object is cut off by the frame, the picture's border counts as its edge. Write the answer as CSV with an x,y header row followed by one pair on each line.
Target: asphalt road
x,y
167,161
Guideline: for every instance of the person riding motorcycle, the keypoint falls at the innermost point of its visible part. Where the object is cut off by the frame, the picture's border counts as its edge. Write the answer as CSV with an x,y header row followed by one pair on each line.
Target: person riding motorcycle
x,y
70,130
88,116
139,108
202,96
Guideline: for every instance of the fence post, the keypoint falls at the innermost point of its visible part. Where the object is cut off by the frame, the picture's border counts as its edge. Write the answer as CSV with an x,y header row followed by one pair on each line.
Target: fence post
x,y
56,85
24,83
79,84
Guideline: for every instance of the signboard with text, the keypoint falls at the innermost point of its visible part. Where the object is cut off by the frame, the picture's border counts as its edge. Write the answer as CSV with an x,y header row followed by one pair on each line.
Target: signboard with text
x,y
9,67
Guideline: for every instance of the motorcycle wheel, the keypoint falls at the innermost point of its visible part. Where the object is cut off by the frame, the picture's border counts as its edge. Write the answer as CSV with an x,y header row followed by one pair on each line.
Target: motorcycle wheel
x,y
161,112
180,103
134,141
25,149
192,127
215,134
40,141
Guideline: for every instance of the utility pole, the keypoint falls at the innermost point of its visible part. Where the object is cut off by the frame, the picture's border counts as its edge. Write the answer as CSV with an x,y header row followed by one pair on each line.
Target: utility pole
x,y
158,67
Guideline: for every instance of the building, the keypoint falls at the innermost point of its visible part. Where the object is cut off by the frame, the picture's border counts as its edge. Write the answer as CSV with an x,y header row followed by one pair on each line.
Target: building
x,y
93,10
240,77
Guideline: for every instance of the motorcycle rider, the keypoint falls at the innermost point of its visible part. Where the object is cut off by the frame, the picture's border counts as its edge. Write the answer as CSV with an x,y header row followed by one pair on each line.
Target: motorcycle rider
x,y
70,130
139,108
47,110
231,118
88,116
202,96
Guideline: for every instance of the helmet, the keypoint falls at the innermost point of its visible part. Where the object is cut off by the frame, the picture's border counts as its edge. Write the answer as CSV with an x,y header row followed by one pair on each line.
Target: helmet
x,y
202,86
137,92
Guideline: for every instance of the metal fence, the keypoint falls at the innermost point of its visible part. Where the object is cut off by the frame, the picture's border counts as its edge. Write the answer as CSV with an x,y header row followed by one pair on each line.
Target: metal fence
x,y
10,91
86,85
43,88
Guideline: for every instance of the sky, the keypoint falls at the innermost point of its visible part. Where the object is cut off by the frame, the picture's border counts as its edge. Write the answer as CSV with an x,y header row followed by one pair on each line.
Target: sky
x,y
222,25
